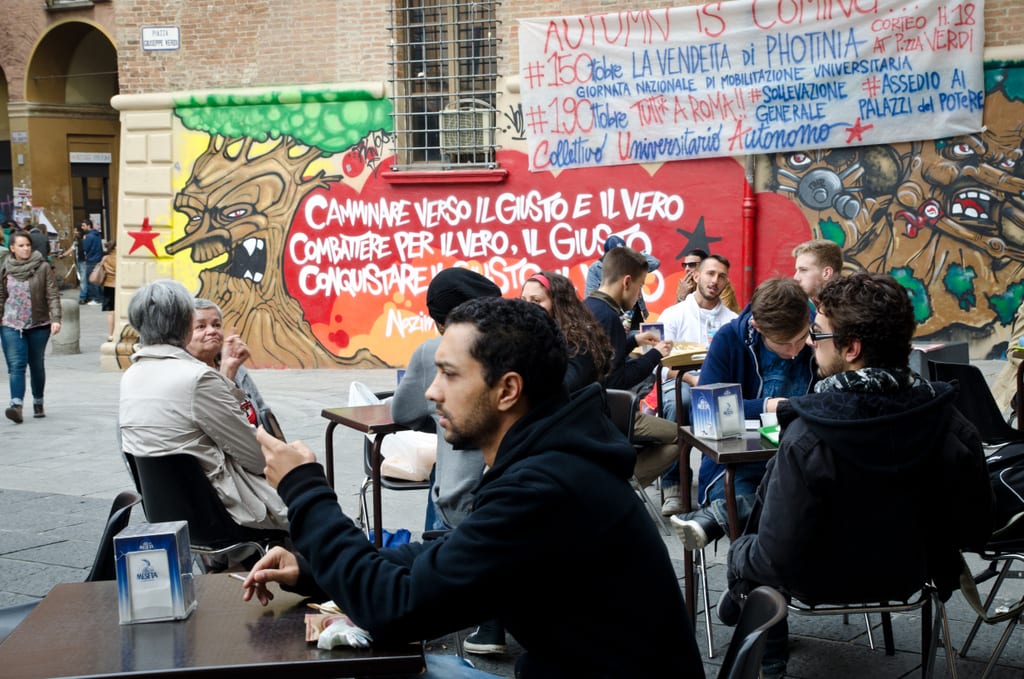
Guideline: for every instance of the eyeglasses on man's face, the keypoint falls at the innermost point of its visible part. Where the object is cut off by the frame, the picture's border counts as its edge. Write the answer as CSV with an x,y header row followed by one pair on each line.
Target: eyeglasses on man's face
x,y
818,336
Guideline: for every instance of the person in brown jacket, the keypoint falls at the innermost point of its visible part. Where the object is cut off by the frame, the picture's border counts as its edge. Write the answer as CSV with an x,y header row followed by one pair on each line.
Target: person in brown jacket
x,y
30,312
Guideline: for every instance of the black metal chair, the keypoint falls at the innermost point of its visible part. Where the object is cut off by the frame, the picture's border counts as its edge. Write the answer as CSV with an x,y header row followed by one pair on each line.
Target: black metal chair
x,y
1005,549
764,608
102,565
926,600
174,488
975,401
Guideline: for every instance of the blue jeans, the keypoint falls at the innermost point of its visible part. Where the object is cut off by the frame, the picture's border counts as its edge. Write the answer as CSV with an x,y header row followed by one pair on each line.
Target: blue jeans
x,y
450,667
83,281
94,292
25,348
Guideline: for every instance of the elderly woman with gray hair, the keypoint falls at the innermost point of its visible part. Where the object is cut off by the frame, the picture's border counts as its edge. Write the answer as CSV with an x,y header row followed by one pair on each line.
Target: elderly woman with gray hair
x,y
173,403
226,354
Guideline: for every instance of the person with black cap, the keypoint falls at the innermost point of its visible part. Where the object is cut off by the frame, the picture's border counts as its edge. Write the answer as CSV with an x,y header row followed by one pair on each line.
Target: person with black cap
x,y
456,472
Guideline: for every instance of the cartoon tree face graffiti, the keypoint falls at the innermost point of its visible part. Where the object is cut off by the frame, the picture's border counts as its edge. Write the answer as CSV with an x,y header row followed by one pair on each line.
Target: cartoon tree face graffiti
x,y
240,202
945,217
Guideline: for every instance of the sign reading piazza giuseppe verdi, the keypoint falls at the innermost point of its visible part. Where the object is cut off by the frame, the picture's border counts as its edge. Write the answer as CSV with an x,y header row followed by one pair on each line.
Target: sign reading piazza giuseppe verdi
x,y
748,77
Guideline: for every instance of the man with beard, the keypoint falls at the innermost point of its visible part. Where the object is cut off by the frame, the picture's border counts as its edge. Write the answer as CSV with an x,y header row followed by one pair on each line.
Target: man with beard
x,y
873,426
557,546
695,319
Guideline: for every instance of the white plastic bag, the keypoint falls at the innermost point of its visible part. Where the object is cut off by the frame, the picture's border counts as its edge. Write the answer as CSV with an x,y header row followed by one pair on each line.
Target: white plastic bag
x,y
408,455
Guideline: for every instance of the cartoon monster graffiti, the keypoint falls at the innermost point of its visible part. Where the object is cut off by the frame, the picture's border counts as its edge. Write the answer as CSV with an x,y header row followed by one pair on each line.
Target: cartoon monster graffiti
x,y
946,217
240,200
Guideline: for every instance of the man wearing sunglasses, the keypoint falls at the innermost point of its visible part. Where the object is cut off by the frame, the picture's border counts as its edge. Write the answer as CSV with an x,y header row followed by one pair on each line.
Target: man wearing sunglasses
x,y
879,480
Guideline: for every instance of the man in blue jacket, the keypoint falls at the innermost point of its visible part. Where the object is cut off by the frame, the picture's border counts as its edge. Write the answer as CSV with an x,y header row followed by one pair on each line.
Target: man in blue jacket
x,y
92,244
765,350
557,545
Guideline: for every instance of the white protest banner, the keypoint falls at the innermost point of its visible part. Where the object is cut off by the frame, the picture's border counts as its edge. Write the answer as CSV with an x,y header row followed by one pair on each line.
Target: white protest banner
x,y
748,77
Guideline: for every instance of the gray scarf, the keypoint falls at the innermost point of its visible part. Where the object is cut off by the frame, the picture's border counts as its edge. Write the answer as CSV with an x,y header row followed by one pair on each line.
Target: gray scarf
x,y
23,269
873,381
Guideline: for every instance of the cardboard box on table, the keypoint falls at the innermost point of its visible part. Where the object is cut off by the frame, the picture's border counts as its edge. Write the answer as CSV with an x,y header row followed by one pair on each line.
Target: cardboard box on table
x,y
716,411
153,563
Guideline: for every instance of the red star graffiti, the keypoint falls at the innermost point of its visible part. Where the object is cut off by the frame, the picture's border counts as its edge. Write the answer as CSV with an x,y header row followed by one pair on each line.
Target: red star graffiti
x,y
144,237
857,131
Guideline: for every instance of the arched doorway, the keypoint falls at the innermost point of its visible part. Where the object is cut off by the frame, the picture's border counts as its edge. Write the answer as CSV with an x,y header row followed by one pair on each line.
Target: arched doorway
x,y
72,133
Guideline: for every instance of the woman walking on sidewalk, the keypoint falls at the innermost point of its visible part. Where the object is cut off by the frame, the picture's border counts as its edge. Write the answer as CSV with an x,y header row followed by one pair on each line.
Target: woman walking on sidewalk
x,y
30,312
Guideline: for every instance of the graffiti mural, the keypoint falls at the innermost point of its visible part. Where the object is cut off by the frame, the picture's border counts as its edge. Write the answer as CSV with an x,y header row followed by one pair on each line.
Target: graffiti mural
x,y
945,217
283,217
242,193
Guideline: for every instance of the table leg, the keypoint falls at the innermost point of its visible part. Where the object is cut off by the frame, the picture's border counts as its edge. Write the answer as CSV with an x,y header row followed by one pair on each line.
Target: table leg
x,y
329,453
375,462
689,579
730,503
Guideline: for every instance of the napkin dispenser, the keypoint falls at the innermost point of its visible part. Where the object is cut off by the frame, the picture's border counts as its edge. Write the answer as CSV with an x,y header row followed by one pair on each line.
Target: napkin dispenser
x,y
716,411
154,572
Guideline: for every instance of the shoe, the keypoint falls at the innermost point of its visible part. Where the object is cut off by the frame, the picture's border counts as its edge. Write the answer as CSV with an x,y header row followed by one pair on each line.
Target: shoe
x,y
81,301
37,410
728,609
110,338
489,638
673,504
696,529
13,413
773,670
93,303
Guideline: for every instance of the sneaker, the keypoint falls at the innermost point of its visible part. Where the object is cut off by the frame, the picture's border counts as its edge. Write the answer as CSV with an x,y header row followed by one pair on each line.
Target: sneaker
x,y
673,504
728,609
696,529
489,638
37,410
13,413
81,301
93,303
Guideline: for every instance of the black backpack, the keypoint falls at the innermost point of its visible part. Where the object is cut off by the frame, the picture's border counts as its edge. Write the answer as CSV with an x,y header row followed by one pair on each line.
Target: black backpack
x,y
1006,470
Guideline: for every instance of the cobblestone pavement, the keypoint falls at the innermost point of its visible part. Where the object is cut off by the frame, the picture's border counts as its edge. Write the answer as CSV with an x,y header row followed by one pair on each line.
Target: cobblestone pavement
x,y
59,475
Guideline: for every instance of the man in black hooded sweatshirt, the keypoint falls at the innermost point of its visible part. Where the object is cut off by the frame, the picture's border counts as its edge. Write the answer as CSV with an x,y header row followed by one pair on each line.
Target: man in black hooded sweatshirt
x,y
879,480
557,545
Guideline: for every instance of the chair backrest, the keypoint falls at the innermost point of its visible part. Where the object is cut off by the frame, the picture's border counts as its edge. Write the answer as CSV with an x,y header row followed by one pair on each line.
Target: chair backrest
x,y
764,607
120,513
976,402
174,488
622,407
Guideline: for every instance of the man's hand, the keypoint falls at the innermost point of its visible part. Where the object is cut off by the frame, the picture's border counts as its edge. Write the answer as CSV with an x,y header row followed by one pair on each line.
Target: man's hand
x,y
282,457
664,348
686,285
279,565
647,339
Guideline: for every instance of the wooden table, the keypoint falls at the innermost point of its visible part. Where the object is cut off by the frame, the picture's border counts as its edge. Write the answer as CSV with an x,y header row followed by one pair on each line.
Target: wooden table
x,y
376,421
74,632
750,447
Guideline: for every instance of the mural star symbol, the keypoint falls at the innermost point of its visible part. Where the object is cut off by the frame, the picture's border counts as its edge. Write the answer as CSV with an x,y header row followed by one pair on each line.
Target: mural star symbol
x,y
698,238
857,131
144,237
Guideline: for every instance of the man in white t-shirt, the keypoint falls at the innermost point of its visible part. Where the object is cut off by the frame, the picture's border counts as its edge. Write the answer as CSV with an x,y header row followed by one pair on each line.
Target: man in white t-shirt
x,y
695,319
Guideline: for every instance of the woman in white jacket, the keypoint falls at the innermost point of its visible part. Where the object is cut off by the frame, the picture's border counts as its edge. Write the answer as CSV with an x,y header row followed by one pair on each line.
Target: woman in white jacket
x,y
173,403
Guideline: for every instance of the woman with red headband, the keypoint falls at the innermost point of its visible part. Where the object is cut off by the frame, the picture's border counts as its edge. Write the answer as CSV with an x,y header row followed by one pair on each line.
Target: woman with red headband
x,y
590,351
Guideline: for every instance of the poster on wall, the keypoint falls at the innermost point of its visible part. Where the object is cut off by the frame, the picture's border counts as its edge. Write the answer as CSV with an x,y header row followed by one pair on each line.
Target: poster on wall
x,y
748,77
22,205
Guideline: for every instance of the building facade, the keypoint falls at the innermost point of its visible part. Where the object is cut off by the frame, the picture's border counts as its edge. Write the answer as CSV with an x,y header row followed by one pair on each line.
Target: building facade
x,y
310,166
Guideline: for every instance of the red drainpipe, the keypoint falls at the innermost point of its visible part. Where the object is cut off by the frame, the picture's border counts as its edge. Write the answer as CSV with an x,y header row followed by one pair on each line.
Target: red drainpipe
x,y
749,220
